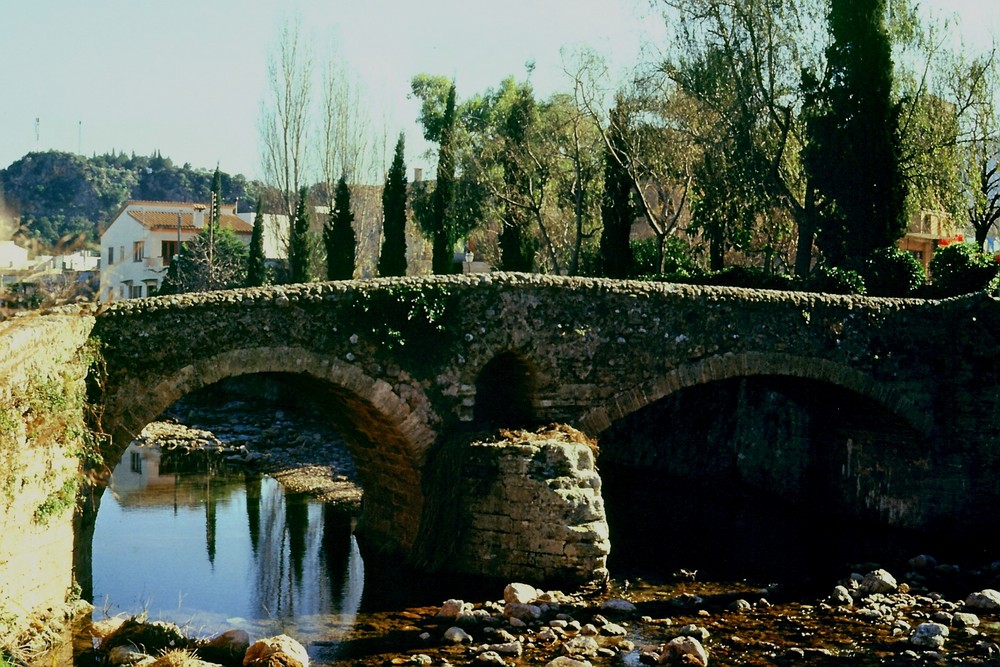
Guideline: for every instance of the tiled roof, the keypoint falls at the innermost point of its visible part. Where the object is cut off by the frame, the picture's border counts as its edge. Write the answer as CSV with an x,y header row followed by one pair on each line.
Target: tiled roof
x,y
167,220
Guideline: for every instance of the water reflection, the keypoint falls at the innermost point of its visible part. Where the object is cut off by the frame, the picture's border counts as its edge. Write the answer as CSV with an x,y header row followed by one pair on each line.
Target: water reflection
x,y
216,549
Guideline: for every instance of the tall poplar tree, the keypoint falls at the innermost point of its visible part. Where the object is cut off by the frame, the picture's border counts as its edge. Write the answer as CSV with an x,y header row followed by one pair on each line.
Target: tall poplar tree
x,y
444,192
854,147
256,272
392,259
298,242
338,235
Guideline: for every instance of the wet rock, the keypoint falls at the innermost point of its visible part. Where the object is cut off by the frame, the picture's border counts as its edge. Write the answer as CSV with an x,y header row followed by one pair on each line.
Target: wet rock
x,y
456,635
929,635
514,648
613,630
740,606
684,650
520,593
566,661
987,600
922,561
277,651
877,581
618,606
581,646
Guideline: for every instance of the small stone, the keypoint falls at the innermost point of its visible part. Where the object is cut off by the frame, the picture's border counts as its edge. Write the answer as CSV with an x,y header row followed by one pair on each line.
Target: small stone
x,y
421,659
456,635
524,612
613,630
929,635
684,650
490,658
589,629
508,648
740,605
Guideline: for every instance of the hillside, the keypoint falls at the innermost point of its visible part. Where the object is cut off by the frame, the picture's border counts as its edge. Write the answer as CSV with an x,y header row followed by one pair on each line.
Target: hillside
x,y
64,199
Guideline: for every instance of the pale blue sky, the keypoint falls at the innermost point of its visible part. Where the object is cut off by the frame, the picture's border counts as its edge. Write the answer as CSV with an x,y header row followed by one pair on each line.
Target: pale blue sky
x,y
186,77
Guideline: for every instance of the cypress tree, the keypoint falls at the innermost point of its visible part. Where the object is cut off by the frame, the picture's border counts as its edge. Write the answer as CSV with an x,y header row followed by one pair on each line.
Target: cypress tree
x,y
256,272
298,242
444,192
338,235
517,252
854,147
392,259
616,203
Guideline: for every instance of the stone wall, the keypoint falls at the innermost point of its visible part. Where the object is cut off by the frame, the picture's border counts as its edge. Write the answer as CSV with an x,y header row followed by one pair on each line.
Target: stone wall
x,y
43,442
532,510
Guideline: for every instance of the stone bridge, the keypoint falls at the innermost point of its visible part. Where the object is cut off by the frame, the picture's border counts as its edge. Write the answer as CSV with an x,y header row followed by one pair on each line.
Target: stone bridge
x,y
905,392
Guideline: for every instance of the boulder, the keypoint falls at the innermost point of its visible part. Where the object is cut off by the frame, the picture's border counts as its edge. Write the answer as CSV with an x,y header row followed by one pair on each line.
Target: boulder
x,y
456,635
841,597
986,600
877,581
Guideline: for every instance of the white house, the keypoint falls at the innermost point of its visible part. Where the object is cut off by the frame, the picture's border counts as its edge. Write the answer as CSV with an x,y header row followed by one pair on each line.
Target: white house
x,y
143,237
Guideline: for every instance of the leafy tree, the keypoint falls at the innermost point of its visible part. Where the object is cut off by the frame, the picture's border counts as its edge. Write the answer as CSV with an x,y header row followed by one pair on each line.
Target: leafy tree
x,y
392,259
338,235
617,212
256,268
960,268
214,259
853,155
298,243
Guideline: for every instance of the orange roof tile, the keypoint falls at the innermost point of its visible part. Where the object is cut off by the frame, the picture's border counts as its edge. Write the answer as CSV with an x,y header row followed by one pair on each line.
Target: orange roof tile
x,y
167,220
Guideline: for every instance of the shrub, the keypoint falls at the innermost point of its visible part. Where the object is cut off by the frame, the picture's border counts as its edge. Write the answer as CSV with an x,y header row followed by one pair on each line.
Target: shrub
x,y
892,272
676,257
834,280
961,268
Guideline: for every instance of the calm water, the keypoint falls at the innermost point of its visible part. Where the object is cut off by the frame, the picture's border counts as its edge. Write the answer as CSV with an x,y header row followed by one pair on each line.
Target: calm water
x,y
211,552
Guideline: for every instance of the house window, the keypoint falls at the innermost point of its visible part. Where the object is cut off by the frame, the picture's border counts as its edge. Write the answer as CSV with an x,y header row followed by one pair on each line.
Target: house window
x,y
167,251
135,291
138,251
111,255
135,463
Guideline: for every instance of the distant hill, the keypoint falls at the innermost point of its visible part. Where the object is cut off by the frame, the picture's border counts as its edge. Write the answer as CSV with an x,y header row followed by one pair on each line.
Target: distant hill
x,y
63,198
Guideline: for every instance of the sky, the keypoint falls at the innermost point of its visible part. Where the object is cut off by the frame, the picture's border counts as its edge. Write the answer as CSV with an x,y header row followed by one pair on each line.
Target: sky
x,y
187,77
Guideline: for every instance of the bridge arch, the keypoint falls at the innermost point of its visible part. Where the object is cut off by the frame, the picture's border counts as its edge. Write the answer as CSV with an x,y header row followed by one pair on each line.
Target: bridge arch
x,y
748,364
388,438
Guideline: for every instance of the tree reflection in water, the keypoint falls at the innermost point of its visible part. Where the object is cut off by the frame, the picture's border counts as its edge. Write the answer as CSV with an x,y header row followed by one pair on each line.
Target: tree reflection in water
x,y
217,550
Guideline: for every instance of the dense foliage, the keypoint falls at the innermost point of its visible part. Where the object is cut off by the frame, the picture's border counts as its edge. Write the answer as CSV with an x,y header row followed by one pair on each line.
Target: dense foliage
x,y
299,252
338,235
960,268
66,197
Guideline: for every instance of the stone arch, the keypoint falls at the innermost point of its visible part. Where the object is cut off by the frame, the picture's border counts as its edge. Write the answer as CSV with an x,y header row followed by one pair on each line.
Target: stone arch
x,y
505,388
388,439
747,364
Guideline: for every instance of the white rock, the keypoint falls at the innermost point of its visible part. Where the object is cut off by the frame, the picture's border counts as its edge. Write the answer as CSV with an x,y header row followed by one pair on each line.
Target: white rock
x,y
878,581
965,620
451,608
260,652
566,661
929,635
457,635
507,648
490,658
520,593
581,646
987,600
841,597
688,649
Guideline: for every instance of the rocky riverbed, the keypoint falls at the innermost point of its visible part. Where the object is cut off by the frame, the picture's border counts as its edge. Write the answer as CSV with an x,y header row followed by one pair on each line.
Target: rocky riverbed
x,y
918,612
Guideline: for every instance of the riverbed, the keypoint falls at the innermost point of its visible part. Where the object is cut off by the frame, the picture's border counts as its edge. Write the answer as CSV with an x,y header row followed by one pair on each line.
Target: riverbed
x,y
264,543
